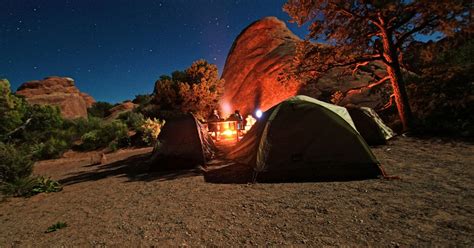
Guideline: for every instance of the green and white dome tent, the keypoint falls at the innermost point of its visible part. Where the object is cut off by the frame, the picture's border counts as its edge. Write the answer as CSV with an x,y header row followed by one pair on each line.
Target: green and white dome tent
x,y
303,138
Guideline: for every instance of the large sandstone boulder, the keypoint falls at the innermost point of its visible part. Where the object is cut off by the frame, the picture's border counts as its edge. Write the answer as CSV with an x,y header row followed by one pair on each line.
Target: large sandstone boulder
x,y
257,58
263,52
57,91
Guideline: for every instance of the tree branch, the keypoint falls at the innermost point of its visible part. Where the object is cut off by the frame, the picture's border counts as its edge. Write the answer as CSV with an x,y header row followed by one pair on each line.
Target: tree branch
x,y
350,13
359,60
381,81
414,30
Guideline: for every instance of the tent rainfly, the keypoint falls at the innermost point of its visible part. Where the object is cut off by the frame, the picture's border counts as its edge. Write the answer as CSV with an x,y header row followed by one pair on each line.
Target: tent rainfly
x,y
370,125
183,143
302,138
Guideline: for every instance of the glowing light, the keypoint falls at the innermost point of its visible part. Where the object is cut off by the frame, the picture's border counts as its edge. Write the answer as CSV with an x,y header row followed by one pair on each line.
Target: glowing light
x,y
258,113
250,121
229,133
226,109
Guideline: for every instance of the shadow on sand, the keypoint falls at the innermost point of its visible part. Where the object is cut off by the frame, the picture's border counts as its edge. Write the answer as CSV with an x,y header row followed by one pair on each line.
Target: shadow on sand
x,y
227,172
135,168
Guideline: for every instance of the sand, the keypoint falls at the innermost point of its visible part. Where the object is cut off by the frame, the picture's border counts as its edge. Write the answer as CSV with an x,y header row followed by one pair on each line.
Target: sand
x,y
121,204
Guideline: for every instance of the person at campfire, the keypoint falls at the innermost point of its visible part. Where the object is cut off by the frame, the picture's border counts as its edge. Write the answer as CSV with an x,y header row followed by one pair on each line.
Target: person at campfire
x,y
212,123
239,119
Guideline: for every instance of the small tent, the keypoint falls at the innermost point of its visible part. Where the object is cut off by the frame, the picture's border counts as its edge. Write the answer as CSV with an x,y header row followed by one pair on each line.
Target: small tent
x,y
305,139
183,143
369,125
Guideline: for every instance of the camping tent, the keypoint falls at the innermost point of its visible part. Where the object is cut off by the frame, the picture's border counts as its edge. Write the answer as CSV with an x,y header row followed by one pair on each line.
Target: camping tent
x,y
303,138
183,143
369,125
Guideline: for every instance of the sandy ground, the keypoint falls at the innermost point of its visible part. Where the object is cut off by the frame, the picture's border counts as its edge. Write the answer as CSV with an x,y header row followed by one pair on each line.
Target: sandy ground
x,y
121,204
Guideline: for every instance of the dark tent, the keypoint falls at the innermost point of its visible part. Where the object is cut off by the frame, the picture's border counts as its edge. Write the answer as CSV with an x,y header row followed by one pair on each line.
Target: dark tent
x,y
305,139
183,143
369,125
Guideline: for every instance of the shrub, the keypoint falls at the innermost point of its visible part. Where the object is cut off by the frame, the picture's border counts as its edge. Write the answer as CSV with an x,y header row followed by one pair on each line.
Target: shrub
x,y
15,163
100,109
29,186
55,227
151,130
116,132
52,148
133,120
91,140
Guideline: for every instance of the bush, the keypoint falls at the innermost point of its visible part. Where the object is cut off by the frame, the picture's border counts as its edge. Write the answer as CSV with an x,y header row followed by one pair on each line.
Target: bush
x,y
151,129
133,120
116,132
100,109
30,186
15,163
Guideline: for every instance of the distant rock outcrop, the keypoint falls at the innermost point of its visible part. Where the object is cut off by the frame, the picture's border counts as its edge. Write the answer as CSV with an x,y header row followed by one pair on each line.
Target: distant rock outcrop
x,y
57,91
259,54
120,109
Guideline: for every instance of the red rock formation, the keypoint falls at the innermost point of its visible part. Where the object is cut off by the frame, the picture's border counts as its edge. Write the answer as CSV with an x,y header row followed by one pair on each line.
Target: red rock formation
x,y
259,54
264,50
57,91
121,108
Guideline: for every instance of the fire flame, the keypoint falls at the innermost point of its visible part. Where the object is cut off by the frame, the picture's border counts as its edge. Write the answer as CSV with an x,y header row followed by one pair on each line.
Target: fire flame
x,y
228,133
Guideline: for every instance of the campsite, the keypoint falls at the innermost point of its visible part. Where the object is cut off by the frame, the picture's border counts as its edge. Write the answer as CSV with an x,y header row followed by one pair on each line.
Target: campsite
x,y
120,204
236,123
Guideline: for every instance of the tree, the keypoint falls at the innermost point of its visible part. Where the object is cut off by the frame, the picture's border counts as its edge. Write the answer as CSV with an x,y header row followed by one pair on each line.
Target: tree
x,y
12,110
100,109
201,93
358,32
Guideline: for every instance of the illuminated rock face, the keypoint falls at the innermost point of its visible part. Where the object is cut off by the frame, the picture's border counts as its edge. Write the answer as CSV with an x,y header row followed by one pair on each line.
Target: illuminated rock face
x,y
259,54
57,91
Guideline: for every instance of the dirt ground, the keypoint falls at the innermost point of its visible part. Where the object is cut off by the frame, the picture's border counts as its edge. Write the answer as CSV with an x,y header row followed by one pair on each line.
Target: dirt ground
x,y
121,204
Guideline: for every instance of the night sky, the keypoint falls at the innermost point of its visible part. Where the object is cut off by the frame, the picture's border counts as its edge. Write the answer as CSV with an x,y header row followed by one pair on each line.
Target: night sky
x,y
117,49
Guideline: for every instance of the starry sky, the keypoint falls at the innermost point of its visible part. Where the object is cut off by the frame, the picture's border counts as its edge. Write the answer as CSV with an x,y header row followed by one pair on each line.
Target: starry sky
x,y
117,49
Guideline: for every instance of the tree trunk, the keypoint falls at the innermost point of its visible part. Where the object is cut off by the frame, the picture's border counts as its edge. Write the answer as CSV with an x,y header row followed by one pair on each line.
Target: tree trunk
x,y
401,97
390,55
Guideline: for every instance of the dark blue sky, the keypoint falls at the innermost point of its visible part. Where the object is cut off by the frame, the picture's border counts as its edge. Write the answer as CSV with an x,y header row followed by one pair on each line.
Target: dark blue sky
x,y
117,49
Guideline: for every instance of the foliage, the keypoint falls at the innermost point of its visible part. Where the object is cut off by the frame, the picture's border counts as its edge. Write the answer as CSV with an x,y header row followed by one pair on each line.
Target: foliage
x,y
15,163
357,32
196,90
142,99
13,109
52,148
55,227
442,95
151,129
29,186
100,109
132,119
201,94
116,131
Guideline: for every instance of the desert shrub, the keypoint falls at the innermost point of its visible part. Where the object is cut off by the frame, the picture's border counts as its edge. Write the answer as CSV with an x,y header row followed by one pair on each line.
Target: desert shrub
x,y
15,163
133,120
116,131
29,186
151,130
100,109
90,140
52,148
55,227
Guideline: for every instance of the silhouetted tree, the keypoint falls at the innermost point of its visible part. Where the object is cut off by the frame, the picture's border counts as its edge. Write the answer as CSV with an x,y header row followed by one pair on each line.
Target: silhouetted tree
x,y
201,93
358,32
